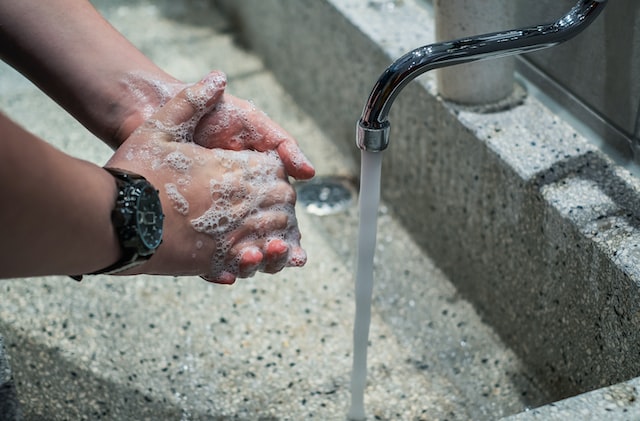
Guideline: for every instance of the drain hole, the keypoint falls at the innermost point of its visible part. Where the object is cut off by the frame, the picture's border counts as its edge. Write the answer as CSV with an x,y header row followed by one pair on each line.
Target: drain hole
x,y
325,195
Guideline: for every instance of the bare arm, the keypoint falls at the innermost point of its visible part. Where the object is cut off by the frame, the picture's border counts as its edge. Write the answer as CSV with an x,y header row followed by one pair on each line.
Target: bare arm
x,y
55,212
228,214
74,55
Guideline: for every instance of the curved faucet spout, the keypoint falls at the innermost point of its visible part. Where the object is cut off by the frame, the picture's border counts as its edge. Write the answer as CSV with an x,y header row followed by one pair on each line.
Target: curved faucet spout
x,y
373,126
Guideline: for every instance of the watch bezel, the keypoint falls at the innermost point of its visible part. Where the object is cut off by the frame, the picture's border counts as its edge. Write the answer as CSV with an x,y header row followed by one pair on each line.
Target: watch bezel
x,y
148,192
124,216
132,188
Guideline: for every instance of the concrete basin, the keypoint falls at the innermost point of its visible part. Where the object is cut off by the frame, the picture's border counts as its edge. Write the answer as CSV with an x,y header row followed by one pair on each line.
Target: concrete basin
x,y
506,283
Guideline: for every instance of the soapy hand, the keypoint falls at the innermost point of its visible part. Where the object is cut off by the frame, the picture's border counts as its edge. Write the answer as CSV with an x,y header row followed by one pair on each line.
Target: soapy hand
x,y
228,213
236,124
232,123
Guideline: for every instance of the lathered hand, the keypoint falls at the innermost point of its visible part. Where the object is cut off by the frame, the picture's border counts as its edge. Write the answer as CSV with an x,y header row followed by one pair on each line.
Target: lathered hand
x,y
231,123
228,213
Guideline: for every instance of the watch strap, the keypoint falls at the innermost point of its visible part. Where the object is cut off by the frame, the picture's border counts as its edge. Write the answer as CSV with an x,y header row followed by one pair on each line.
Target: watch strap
x,y
130,256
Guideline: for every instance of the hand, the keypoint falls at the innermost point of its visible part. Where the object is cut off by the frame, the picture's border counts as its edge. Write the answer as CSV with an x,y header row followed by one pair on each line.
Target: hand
x,y
228,213
232,124
236,124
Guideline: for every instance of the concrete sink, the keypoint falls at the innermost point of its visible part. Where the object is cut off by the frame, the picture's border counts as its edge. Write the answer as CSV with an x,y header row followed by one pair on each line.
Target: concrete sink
x,y
506,275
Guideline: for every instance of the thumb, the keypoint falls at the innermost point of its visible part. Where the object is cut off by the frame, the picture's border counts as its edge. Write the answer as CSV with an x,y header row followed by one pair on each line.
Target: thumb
x,y
185,110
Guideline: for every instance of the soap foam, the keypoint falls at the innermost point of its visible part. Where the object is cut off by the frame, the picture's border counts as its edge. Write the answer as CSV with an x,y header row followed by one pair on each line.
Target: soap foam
x,y
179,202
232,205
149,92
152,93
178,161
231,116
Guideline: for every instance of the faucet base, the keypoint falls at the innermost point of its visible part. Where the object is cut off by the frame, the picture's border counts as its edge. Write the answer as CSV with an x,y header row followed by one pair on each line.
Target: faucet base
x,y
518,96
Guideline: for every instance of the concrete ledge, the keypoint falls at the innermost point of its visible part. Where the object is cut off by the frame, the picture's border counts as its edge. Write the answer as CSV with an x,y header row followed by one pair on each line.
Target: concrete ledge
x,y
617,402
532,223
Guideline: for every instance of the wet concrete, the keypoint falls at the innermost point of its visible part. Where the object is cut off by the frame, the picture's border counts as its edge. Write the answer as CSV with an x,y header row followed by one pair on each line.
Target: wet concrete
x,y
272,347
521,210
506,270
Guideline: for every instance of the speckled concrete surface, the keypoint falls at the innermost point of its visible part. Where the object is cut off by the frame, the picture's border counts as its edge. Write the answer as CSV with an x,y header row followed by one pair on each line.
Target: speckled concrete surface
x,y
525,215
531,235
149,348
615,403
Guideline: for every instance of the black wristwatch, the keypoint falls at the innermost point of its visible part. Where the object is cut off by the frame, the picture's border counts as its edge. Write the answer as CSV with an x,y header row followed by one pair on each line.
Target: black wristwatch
x,y
137,220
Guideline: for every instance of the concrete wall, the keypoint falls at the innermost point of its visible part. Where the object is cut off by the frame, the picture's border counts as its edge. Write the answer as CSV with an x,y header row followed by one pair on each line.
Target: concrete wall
x,y
534,225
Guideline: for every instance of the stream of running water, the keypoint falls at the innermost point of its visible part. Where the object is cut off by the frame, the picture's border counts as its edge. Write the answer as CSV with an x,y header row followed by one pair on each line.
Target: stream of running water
x,y
368,207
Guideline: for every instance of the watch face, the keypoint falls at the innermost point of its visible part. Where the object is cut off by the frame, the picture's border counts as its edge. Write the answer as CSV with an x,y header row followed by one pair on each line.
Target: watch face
x,y
149,217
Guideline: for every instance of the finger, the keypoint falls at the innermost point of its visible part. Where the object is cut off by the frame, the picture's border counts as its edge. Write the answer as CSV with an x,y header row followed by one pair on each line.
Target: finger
x,y
221,128
276,256
192,102
295,162
236,124
251,260
258,227
297,257
224,278
283,197
273,137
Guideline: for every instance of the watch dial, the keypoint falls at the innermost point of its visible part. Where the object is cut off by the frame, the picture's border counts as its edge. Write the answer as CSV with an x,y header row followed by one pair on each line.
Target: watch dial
x,y
149,217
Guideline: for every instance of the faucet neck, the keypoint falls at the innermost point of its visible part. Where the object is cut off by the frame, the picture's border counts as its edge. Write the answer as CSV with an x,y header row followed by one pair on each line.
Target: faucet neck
x,y
373,126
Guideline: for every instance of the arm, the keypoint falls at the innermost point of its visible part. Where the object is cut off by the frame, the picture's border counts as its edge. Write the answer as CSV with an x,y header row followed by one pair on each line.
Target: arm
x,y
228,214
55,213
74,55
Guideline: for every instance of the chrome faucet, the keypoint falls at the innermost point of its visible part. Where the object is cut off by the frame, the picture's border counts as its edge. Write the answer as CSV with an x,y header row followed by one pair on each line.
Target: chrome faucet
x,y
373,127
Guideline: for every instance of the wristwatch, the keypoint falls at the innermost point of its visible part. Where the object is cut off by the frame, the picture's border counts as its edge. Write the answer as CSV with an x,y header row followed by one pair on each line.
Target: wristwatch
x,y
137,220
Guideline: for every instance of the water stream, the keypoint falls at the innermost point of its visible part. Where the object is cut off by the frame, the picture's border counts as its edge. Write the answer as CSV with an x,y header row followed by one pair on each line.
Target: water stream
x,y
368,206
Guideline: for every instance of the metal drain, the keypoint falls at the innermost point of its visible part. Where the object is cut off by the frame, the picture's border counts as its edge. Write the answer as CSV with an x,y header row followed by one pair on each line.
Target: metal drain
x,y
325,195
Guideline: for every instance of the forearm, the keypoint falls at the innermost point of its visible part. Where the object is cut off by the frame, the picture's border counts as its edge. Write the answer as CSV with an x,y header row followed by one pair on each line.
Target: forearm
x,y
56,210
73,54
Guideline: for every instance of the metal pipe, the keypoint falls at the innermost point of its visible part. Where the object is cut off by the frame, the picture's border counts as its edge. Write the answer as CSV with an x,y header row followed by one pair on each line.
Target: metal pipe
x,y
372,133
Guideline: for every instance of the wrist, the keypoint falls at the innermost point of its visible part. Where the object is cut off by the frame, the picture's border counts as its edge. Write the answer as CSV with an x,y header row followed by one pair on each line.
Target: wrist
x,y
140,96
98,237
136,219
